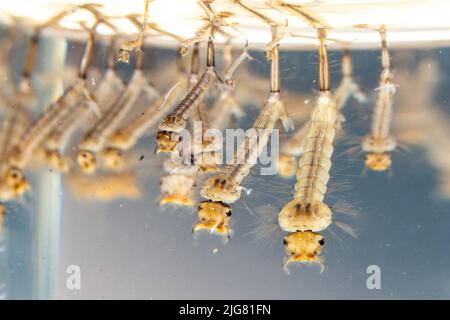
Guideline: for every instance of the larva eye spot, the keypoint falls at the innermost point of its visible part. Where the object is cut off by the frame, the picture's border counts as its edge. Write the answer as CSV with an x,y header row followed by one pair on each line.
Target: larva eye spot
x,y
86,160
378,161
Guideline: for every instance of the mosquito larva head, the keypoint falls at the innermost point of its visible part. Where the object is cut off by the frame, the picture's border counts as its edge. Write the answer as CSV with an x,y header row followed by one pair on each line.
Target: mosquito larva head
x,y
87,161
167,141
303,247
124,55
214,217
378,161
378,144
221,188
298,215
172,123
13,185
287,166
58,161
113,158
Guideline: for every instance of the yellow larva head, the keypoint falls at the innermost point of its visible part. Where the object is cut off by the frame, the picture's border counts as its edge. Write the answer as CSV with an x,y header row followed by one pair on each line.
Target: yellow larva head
x,y
113,158
208,162
124,55
167,141
221,188
13,184
86,161
58,161
297,215
378,161
214,217
177,199
303,247
287,166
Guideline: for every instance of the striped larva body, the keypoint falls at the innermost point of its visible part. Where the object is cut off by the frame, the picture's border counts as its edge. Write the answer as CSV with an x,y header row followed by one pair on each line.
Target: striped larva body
x,y
307,210
226,186
176,120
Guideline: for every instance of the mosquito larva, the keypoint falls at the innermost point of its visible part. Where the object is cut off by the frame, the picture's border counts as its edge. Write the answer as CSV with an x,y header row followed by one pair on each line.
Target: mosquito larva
x,y
15,123
167,140
379,144
14,182
176,120
225,187
106,93
306,211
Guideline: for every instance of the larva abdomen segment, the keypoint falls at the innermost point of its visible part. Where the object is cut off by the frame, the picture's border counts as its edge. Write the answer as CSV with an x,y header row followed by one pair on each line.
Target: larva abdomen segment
x,y
45,124
176,120
315,163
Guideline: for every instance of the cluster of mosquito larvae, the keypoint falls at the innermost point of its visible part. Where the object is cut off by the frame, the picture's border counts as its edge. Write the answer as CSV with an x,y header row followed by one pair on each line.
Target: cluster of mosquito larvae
x,y
115,115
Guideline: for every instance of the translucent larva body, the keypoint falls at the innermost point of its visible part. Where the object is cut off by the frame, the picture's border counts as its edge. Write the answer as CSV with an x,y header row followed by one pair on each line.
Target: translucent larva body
x,y
73,97
307,210
380,143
